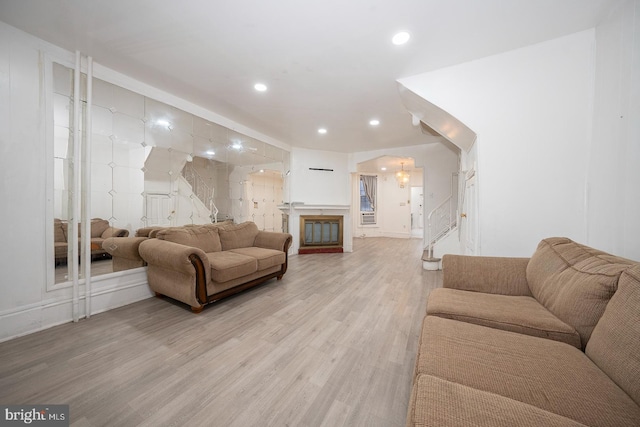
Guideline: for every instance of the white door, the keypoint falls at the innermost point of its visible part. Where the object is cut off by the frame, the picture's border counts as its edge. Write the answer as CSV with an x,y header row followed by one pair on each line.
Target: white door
x,y
469,218
417,208
158,209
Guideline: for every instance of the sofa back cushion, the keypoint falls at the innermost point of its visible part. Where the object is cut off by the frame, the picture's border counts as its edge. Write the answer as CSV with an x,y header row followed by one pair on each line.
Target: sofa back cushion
x,y
59,231
205,238
98,227
234,236
574,282
615,342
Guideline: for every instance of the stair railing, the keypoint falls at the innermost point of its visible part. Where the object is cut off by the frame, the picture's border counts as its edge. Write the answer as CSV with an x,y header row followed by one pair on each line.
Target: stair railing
x,y
440,221
201,189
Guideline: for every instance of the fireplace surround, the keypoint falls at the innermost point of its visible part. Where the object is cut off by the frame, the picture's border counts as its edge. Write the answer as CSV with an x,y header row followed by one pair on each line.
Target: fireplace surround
x,y
321,233
293,211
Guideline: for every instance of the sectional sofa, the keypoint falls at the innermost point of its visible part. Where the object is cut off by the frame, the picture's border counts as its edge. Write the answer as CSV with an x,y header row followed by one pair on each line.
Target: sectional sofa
x,y
551,340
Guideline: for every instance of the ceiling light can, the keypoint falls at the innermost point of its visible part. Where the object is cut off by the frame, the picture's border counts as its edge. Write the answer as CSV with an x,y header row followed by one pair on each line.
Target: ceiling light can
x,y
401,38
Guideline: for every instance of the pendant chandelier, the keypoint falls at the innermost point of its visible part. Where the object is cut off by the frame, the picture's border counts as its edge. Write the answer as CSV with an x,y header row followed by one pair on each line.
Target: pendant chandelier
x,y
402,176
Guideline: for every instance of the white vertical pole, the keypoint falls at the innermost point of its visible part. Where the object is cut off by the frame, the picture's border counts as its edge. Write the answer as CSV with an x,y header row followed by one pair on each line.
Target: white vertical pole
x,y
73,231
86,185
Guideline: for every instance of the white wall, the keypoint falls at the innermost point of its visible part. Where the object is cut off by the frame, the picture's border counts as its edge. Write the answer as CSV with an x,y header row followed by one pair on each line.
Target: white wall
x,y
613,201
531,109
320,187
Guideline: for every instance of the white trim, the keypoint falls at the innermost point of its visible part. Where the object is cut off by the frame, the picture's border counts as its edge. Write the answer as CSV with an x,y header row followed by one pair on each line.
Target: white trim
x,y
54,311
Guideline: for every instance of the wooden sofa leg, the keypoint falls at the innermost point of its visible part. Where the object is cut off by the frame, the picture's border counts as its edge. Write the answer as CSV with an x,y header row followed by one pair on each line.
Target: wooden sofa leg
x,y
279,277
197,310
159,295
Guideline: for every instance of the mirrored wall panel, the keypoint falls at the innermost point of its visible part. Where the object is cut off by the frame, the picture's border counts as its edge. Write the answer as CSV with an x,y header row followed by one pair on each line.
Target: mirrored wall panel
x,y
155,165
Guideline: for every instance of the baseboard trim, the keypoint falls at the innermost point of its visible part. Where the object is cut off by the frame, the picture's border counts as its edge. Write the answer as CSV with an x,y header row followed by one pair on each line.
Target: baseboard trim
x,y
108,293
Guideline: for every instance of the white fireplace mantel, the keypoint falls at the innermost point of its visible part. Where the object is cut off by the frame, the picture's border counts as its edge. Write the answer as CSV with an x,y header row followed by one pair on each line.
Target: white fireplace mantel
x,y
314,207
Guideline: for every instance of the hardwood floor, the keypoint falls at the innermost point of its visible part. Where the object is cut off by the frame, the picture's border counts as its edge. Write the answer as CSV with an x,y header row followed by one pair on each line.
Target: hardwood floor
x,y
331,344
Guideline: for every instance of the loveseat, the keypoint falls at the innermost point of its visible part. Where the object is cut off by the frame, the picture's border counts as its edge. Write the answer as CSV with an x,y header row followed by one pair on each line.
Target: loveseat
x,y
551,340
201,264
100,230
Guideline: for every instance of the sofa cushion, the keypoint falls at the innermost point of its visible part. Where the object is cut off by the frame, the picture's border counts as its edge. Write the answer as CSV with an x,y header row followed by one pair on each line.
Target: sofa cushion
x,y
203,238
98,227
267,258
227,265
520,314
544,373
436,402
615,342
574,282
59,235
235,236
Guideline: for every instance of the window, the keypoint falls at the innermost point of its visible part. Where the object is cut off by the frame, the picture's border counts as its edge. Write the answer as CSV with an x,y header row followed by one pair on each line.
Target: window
x,y
368,190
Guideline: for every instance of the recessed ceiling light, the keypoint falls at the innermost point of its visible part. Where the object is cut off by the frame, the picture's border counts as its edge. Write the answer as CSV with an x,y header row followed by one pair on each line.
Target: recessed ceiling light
x,y
374,122
401,38
211,153
163,122
322,131
237,145
260,87
383,168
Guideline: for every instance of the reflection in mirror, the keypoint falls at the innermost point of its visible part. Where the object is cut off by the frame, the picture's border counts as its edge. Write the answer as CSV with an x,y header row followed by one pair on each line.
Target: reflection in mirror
x,y
63,167
156,165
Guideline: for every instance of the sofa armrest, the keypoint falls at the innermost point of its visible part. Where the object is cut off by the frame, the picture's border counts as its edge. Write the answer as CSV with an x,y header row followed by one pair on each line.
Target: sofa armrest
x,y
123,247
273,240
114,232
173,256
494,275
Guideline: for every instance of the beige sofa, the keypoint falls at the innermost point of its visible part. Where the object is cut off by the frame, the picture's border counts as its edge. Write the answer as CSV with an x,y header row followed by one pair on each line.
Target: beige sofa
x,y
100,230
201,264
551,340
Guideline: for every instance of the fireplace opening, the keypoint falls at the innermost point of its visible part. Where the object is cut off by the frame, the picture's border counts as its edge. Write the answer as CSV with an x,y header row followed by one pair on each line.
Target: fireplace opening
x,y
320,234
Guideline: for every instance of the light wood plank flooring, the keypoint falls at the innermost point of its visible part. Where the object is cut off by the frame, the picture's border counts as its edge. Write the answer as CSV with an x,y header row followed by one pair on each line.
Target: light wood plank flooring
x,y
332,344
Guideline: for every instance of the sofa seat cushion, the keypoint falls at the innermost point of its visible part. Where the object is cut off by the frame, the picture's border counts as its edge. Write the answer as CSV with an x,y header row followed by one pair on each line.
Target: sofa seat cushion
x,y
547,374
267,258
436,402
61,249
520,314
227,265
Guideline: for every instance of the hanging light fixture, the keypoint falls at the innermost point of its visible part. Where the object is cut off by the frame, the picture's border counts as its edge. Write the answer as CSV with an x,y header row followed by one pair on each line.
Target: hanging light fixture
x,y
402,176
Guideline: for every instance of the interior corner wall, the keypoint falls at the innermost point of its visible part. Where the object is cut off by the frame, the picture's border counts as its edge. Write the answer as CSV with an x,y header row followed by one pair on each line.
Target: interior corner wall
x,y
613,209
532,110
320,187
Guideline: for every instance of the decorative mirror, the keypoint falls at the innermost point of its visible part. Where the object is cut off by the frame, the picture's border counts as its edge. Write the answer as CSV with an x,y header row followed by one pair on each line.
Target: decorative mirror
x,y
154,164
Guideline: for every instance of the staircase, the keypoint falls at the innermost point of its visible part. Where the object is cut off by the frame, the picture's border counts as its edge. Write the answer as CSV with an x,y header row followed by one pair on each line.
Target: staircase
x,y
200,189
441,222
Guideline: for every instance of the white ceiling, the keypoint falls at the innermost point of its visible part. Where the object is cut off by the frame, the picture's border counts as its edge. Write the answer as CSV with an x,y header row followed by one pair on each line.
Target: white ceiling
x,y
327,63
